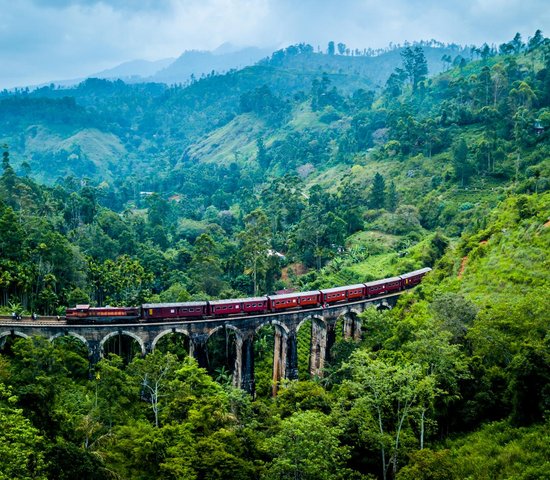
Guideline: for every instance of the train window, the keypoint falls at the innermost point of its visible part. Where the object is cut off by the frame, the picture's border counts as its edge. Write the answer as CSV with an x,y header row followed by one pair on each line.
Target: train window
x,y
172,310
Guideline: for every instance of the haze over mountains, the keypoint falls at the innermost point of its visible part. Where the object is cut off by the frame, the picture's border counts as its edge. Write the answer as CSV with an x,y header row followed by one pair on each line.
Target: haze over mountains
x,y
190,64
193,64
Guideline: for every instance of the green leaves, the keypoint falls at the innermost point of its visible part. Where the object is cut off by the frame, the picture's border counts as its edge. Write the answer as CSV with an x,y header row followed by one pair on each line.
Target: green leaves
x,y
307,447
21,445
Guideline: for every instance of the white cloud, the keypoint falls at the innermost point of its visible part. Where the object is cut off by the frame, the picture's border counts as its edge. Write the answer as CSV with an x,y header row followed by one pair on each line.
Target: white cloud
x,y
44,40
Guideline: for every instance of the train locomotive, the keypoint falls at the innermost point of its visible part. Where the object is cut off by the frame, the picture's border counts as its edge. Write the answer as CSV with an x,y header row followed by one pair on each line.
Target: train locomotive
x,y
155,312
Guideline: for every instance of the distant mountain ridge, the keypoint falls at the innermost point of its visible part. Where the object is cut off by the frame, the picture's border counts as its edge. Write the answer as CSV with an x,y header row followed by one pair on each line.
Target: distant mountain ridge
x,y
194,63
189,65
134,70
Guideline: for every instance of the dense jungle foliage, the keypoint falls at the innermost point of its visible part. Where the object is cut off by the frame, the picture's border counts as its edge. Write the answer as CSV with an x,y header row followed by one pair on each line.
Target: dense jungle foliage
x,y
265,179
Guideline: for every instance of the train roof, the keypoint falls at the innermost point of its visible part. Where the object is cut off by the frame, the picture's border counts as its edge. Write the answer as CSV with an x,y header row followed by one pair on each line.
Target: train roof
x,y
382,282
310,292
339,289
284,296
174,305
228,301
416,272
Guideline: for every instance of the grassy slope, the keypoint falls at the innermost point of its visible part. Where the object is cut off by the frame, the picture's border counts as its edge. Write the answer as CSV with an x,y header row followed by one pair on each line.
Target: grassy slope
x,y
235,141
510,257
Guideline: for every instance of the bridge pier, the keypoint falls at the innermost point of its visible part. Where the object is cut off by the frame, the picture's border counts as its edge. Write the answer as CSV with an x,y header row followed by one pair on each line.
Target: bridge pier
x,y
279,358
243,373
291,364
94,351
352,327
318,348
331,337
198,349
247,365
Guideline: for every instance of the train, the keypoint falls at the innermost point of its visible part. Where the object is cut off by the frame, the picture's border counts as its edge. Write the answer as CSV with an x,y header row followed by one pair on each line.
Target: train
x,y
200,310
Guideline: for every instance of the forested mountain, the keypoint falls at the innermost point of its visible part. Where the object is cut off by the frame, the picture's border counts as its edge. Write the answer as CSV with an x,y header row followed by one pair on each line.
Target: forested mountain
x,y
105,129
121,194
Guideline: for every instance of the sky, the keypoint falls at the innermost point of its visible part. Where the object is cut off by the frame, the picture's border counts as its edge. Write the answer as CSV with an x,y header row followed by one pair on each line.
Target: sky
x,y
48,40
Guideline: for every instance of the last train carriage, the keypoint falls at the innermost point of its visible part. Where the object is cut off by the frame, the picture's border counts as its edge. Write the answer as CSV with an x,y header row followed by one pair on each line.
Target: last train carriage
x,y
156,312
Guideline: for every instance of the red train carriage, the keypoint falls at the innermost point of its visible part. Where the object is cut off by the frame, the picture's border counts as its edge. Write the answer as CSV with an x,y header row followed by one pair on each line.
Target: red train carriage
x,y
393,284
306,299
340,294
377,287
255,305
380,287
355,291
333,295
284,301
159,311
414,278
238,306
87,314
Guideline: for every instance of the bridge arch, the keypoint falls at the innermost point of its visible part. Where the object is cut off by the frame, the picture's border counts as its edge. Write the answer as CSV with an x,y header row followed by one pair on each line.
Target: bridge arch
x,y
137,338
237,331
312,318
162,334
272,322
14,333
71,334
355,311
383,305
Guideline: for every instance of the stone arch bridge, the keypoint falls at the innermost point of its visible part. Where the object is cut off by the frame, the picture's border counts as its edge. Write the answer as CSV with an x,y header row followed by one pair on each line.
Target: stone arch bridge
x,y
286,326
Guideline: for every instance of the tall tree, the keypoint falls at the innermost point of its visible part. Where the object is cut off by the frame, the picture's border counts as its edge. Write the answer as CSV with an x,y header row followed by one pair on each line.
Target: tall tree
x,y
535,41
205,266
387,395
261,156
154,373
378,192
8,178
414,65
460,161
392,199
255,243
